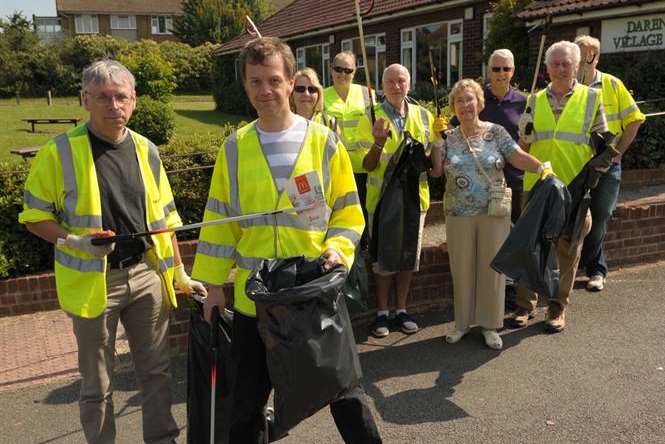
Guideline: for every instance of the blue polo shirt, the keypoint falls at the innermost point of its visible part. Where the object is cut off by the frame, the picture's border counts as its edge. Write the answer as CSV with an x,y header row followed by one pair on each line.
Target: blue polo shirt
x,y
505,112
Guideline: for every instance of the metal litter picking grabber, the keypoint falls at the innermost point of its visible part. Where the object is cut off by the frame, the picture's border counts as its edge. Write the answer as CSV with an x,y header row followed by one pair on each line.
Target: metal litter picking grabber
x,y
304,191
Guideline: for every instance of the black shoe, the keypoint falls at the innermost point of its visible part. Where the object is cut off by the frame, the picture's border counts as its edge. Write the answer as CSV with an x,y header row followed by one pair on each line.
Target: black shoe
x,y
380,327
406,323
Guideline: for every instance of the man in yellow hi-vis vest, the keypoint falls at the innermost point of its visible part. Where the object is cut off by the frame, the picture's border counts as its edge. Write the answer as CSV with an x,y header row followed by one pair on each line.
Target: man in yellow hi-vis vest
x,y
564,115
349,102
394,117
103,176
624,119
252,170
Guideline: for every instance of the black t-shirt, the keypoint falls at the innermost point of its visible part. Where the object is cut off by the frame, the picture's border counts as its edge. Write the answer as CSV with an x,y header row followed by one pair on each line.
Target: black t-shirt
x,y
121,191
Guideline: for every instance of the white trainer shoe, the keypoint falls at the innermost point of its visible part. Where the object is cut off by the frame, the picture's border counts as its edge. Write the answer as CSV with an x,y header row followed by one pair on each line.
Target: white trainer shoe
x,y
456,335
595,283
492,339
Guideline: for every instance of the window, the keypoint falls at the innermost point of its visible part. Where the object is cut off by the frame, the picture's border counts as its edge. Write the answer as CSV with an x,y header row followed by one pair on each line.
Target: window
x,y
123,22
86,24
375,46
162,24
316,57
444,40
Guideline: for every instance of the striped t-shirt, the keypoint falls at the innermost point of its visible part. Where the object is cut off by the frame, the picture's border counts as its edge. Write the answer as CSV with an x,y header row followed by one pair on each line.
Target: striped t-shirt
x,y
281,149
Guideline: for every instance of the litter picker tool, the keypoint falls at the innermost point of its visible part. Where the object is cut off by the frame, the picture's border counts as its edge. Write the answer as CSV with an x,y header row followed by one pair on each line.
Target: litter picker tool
x,y
361,36
435,85
214,345
254,30
660,113
543,36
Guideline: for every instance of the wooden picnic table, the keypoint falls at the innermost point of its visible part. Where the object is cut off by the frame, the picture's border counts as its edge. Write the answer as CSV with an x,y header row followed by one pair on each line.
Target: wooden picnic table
x,y
74,121
25,153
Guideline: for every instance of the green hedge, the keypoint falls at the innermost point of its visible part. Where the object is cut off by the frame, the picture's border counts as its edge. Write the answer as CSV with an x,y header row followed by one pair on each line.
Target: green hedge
x,y
228,92
188,161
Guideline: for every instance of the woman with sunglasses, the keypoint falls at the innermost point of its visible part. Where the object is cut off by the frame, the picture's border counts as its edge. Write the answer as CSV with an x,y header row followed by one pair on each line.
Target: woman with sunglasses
x,y
307,98
348,103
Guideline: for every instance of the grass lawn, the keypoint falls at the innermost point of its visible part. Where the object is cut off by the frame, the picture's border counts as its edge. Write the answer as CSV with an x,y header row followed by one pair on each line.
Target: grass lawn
x,y
194,115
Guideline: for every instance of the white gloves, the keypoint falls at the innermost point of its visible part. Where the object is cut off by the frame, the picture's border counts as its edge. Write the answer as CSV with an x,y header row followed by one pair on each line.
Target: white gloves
x,y
526,122
82,243
186,283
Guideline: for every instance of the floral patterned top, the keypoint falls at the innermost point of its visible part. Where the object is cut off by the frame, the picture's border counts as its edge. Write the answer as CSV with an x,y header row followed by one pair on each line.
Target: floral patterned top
x,y
467,188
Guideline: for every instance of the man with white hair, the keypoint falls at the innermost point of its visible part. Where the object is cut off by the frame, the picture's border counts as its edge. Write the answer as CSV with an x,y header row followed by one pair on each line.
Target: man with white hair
x,y
624,119
394,117
558,130
97,179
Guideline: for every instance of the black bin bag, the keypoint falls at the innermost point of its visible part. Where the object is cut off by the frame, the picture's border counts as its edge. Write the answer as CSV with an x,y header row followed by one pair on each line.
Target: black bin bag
x,y
199,360
396,220
304,323
529,254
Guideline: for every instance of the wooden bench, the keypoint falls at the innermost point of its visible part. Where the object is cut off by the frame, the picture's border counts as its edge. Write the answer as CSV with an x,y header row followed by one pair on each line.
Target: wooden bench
x,y
73,121
25,153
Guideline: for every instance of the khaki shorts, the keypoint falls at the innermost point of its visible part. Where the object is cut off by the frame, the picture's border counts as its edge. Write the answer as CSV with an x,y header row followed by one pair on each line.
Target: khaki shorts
x,y
375,266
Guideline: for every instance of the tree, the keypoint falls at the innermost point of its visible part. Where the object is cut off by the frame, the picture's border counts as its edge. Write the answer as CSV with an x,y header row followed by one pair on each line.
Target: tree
x,y
17,41
506,31
216,21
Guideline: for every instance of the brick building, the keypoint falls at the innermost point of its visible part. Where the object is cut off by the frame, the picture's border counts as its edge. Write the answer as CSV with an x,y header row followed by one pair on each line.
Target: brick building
x,y
128,19
395,32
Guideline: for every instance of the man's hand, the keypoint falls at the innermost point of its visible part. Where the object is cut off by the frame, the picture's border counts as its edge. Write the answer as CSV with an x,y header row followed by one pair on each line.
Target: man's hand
x,y
186,283
82,243
440,124
331,258
526,127
215,297
545,170
380,131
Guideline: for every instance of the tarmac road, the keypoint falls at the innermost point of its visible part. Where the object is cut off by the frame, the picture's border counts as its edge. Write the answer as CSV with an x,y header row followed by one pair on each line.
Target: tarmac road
x,y
600,381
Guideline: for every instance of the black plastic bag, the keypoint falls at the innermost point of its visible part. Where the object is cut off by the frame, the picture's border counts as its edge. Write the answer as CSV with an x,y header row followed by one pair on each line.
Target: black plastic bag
x,y
304,323
199,360
529,254
356,287
396,220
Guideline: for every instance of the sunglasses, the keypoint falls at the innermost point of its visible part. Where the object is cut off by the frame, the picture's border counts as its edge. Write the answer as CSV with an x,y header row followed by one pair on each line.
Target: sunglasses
x,y
501,68
302,88
340,70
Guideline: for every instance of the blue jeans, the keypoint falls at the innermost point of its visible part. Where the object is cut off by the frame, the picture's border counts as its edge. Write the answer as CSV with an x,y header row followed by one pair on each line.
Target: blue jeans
x,y
603,202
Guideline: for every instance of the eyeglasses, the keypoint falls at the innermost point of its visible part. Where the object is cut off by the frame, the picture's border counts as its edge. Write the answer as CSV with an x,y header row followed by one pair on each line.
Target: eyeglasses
x,y
302,88
103,99
501,68
341,69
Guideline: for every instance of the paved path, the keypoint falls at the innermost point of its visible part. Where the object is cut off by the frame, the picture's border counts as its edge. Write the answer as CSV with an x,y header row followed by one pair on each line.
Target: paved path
x,y
601,381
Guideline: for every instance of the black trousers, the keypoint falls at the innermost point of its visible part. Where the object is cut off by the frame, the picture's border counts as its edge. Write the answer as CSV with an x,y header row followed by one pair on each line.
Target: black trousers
x,y
361,184
252,387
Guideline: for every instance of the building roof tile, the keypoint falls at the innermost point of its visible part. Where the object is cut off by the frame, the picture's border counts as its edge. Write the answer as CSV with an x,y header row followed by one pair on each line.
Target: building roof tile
x,y
543,8
122,7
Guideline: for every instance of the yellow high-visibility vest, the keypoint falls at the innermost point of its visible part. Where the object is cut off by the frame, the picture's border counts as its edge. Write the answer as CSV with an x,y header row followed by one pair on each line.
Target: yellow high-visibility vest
x,y
62,187
419,123
564,142
348,114
242,183
619,106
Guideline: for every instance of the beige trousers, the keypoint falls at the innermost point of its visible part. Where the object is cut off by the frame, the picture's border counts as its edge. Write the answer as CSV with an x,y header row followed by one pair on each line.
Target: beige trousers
x,y
135,299
478,291
568,263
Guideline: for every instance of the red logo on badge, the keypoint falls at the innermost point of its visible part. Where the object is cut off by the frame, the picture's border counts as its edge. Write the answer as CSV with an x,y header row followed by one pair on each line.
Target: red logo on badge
x,y
302,184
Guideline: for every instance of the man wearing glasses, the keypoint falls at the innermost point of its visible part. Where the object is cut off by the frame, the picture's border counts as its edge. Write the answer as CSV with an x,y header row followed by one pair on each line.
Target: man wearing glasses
x,y
348,103
98,179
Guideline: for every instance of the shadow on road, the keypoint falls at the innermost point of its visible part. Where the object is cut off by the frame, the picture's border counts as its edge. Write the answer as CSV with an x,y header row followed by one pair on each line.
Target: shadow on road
x,y
451,361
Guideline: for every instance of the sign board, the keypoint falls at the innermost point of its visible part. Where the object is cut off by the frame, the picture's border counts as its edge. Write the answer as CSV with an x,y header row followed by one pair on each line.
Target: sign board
x,y
628,34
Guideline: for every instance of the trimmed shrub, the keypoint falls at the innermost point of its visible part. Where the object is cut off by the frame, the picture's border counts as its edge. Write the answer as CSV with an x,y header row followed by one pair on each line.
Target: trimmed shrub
x,y
154,74
229,93
192,66
153,119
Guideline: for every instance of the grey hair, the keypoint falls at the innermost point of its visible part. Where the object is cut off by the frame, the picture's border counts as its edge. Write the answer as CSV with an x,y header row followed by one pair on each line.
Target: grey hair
x,y
572,48
504,54
402,68
103,71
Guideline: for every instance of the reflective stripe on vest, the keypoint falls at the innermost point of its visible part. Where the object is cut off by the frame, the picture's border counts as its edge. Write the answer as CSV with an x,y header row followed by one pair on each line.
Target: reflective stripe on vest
x,y
349,234
565,136
35,202
154,162
350,198
228,252
79,264
69,216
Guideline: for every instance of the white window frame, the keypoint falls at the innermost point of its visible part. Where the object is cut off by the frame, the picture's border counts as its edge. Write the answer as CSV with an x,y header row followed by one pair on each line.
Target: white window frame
x,y
455,38
86,24
486,29
347,45
301,62
168,25
116,22
451,38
